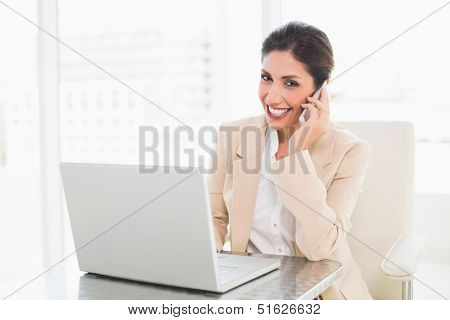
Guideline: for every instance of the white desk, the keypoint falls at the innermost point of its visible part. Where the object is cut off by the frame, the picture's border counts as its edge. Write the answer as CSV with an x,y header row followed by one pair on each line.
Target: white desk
x,y
297,278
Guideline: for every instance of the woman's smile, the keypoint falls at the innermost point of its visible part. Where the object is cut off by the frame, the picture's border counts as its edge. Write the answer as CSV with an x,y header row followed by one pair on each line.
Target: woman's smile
x,y
277,113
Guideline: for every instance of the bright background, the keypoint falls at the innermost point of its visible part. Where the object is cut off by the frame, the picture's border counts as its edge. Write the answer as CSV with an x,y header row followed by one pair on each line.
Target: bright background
x,y
199,60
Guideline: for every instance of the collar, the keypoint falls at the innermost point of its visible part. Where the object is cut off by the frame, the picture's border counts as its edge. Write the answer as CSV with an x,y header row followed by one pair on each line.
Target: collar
x,y
321,151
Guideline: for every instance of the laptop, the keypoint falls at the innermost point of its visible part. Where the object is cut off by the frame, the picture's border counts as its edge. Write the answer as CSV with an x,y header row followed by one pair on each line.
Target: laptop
x,y
153,227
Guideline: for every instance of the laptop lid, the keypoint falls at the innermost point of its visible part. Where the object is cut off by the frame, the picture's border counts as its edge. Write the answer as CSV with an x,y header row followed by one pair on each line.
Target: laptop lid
x,y
153,227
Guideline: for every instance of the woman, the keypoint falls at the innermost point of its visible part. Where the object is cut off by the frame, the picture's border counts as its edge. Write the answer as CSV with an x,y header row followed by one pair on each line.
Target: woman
x,y
285,186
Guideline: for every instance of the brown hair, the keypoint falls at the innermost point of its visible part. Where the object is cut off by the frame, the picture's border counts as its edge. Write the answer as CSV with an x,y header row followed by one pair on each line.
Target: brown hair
x,y
307,44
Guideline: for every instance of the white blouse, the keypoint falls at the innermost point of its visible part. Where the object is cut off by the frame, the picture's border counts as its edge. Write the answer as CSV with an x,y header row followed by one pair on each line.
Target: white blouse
x,y
273,228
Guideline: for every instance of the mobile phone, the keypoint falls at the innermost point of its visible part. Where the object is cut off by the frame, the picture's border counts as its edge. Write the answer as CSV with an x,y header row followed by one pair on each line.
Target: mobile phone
x,y
305,114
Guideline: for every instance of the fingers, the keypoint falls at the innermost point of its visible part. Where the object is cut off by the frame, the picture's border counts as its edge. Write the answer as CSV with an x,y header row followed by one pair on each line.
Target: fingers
x,y
321,104
324,97
313,111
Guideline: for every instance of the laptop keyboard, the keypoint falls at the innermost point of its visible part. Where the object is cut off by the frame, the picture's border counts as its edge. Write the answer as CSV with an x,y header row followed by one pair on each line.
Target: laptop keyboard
x,y
226,269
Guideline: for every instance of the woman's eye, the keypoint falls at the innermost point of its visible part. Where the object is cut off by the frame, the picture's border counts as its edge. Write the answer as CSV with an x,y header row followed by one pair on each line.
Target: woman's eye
x,y
265,77
291,84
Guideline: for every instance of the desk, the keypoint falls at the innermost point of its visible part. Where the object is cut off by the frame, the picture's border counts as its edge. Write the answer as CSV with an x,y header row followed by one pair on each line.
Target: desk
x,y
297,278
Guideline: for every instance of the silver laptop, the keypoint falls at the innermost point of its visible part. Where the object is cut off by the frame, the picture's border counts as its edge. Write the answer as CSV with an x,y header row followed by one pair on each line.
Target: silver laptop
x,y
153,227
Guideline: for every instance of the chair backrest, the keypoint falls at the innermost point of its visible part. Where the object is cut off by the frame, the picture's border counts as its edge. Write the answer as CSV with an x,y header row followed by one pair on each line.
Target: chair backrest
x,y
384,210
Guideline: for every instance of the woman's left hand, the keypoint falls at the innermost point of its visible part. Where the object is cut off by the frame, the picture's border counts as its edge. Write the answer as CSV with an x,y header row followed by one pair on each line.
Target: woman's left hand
x,y
316,125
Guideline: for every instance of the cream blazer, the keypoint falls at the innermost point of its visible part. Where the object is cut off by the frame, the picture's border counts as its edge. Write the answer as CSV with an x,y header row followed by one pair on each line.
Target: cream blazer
x,y
321,192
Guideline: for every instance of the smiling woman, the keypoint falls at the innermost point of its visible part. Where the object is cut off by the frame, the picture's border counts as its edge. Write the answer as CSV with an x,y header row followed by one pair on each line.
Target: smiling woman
x,y
291,71
299,200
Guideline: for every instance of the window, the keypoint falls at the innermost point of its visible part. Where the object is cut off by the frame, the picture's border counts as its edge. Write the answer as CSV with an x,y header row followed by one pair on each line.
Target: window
x,y
21,235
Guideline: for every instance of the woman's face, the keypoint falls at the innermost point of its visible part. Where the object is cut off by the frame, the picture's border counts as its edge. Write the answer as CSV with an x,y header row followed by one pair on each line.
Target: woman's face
x,y
284,85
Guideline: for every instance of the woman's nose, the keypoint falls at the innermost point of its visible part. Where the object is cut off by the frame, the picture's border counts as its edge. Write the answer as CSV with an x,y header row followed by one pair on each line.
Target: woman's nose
x,y
274,97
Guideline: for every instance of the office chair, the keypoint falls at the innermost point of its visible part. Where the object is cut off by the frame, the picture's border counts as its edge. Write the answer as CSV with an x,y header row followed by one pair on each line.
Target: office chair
x,y
380,237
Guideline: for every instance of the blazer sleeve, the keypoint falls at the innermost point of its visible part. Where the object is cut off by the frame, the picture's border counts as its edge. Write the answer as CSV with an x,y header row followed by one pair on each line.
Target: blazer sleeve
x,y
216,180
322,216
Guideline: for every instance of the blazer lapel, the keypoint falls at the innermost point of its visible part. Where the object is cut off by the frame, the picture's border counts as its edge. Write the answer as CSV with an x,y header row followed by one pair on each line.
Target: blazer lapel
x,y
245,183
321,152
